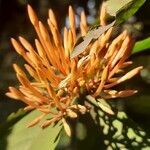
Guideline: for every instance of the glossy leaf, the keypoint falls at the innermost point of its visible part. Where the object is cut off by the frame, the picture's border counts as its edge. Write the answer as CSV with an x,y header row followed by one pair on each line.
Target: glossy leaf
x,y
141,45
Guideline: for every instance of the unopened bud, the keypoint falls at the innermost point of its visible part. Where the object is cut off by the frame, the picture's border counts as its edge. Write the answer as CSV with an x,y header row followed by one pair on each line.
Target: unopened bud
x,y
82,109
71,113
75,90
82,83
60,92
66,127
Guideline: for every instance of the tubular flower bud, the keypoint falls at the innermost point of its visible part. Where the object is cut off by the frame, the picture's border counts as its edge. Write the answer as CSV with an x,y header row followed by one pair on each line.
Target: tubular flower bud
x,y
57,80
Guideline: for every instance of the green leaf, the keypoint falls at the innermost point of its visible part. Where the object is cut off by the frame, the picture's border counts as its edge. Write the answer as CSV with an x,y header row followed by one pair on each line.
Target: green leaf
x,y
128,10
113,6
91,35
123,9
34,138
141,45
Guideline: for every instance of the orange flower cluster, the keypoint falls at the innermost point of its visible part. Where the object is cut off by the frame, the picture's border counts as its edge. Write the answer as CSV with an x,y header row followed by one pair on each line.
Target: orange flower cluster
x,y
57,80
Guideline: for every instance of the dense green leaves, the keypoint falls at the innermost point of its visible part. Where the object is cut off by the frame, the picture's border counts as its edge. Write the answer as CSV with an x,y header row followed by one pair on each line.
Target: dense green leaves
x,y
141,45
22,138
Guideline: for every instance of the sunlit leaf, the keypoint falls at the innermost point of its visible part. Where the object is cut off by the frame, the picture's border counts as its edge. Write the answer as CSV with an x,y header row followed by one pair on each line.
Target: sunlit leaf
x,y
35,138
123,9
113,6
141,45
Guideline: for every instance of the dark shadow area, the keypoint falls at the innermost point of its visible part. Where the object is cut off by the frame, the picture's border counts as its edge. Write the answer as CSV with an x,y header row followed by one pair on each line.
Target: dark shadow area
x,y
109,132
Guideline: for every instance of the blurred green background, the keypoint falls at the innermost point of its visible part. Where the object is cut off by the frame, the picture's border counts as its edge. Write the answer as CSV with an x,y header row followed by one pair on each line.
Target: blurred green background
x,y
14,22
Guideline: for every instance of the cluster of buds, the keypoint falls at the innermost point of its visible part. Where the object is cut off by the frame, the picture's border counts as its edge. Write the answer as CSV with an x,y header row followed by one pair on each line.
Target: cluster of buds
x,y
57,80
